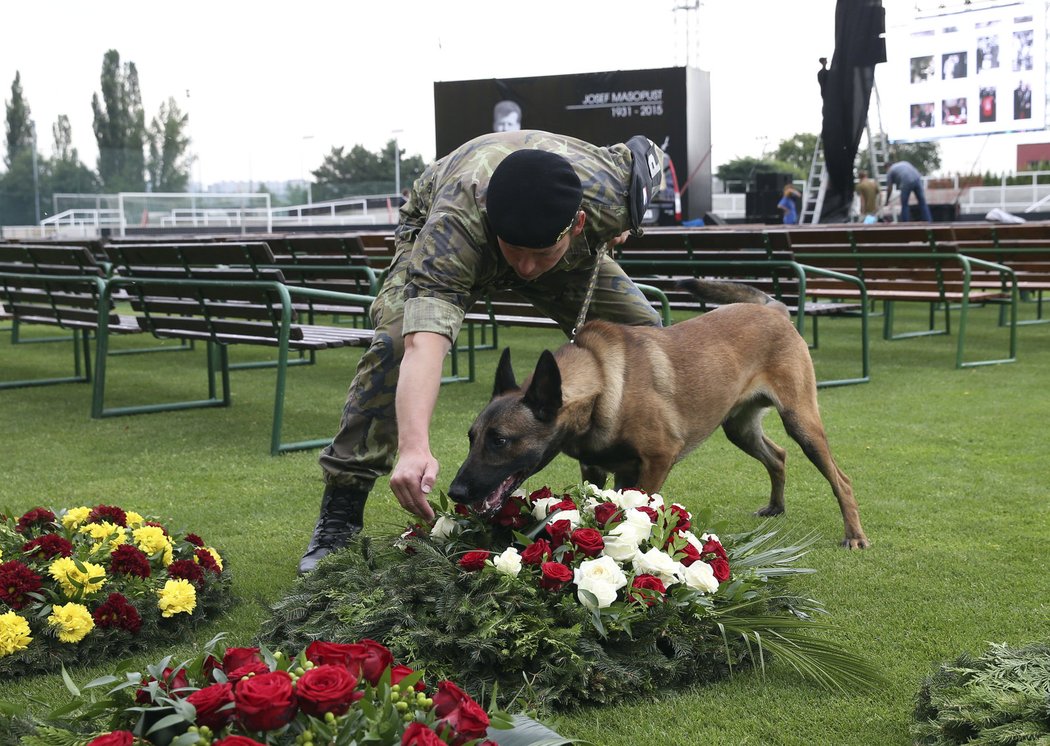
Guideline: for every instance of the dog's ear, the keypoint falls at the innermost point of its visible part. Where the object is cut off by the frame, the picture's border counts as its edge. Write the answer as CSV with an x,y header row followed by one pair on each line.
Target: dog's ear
x,y
543,396
504,375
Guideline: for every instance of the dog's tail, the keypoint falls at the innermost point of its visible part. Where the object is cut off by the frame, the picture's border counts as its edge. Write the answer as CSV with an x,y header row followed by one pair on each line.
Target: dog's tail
x,y
722,292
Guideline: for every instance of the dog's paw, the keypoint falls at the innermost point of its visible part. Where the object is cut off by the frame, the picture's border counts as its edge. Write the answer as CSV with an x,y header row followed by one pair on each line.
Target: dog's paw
x,y
769,510
856,542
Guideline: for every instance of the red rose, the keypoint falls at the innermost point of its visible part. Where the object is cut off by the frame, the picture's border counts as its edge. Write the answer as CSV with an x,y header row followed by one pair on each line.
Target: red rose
x,y
511,513
474,561
604,513
537,552
555,575
682,515
712,546
418,734
468,721
651,512
399,672
541,494
242,661
692,554
447,698
561,505
372,658
559,532
116,738
326,689
266,701
211,703
720,568
589,541
648,583
168,683
236,741
330,653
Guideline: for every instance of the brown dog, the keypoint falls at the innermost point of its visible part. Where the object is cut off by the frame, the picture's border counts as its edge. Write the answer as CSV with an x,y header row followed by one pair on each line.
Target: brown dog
x,y
635,400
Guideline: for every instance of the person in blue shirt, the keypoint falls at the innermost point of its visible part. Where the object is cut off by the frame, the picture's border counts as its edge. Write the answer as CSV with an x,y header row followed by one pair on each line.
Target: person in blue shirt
x,y
908,179
787,205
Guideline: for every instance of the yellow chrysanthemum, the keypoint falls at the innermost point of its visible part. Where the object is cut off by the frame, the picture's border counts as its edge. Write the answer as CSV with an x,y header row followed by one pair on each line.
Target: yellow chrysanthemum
x,y
64,571
75,516
14,633
134,520
72,621
108,536
215,555
177,597
151,539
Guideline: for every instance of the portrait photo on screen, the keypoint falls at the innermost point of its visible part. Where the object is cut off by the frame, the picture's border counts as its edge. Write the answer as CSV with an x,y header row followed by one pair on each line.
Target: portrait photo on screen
x,y
922,69
1023,101
987,53
953,65
922,115
953,111
987,104
1023,41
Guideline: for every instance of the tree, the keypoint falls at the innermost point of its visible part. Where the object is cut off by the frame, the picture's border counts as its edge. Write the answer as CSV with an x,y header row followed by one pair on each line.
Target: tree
x,y
169,163
19,125
925,156
361,171
738,174
798,151
120,127
68,173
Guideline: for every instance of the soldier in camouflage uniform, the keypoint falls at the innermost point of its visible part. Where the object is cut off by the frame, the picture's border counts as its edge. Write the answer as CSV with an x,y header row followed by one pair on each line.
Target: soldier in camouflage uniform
x,y
448,255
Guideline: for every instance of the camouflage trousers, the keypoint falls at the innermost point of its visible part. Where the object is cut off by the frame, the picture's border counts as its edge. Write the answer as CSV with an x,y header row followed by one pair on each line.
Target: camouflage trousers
x,y
365,447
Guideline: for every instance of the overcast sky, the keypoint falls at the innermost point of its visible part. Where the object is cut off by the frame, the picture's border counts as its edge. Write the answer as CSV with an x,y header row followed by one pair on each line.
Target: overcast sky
x,y
270,88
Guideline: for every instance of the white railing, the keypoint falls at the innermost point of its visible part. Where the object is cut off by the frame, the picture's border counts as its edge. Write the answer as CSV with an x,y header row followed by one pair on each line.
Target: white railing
x,y
104,218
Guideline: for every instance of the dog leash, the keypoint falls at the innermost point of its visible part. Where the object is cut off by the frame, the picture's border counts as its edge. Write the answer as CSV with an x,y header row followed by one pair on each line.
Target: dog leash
x,y
590,293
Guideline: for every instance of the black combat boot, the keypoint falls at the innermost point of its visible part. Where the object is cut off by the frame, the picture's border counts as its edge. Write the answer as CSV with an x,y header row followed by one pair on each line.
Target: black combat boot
x,y
342,516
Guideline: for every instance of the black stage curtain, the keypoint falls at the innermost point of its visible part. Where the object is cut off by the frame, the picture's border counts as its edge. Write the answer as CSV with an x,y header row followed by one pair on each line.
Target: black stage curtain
x,y
860,44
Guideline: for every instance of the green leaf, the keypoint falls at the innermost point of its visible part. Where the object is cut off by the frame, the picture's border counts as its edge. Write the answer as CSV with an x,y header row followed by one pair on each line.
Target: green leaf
x,y
69,683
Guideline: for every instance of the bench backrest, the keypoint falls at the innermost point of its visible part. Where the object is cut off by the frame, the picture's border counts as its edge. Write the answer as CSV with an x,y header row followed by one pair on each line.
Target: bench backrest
x,y
67,301
49,259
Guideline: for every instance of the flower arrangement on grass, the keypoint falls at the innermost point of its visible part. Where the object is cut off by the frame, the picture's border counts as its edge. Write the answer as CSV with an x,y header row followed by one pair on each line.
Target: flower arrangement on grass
x,y
586,596
80,583
329,693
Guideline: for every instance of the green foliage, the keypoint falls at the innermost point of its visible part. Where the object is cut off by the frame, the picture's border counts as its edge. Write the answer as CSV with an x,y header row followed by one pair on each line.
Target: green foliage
x,y
925,156
361,171
1001,697
120,127
169,164
798,151
739,173
18,124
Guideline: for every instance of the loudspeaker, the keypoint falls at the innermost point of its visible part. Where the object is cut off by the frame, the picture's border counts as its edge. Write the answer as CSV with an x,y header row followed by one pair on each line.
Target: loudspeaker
x,y
771,182
712,219
941,213
761,206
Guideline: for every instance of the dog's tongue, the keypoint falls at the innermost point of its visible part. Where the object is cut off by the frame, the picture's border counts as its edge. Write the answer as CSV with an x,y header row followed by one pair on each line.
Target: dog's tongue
x,y
494,502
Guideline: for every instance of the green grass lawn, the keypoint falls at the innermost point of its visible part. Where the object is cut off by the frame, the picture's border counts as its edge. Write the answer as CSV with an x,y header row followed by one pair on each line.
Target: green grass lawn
x,y
949,468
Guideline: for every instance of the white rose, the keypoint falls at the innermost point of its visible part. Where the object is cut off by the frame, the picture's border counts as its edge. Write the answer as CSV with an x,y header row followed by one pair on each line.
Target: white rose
x,y
621,548
659,563
708,537
590,503
443,528
572,516
509,562
656,500
543,506
701,577
632,499
690,537
591,490
601,577
641,523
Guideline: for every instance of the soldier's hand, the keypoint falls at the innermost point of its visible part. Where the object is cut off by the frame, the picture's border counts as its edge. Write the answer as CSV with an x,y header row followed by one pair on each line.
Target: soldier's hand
x,y
619,239
412,480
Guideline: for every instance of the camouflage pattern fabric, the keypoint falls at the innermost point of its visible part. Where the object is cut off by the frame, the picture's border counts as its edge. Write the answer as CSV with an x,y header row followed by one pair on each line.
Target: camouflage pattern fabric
x,y
447,258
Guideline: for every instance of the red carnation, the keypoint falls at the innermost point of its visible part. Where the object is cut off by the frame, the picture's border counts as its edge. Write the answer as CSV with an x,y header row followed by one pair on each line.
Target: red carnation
x,y
116,611
325,689
16,581
48,547
589,541
418,734
211,704
648,583
194,540
720,568
36,517
537,552
474,561
265,702
116,738
207,561
110,513
605,513
555,576
186,570
683,523
129,560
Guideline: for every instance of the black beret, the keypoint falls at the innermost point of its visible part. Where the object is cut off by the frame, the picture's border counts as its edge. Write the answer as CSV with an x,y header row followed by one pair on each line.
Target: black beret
x,y
532,197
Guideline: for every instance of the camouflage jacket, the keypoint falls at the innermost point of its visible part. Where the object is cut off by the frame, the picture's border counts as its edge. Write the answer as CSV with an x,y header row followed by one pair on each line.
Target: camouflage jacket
x,y
447,255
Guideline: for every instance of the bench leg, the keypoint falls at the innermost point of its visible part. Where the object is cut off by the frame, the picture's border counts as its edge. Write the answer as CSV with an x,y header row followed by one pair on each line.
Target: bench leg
x,y
887,324
81,346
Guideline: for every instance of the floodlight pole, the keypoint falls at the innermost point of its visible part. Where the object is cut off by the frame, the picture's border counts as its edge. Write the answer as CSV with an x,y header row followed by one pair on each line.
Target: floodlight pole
x,y
36,177
397,162
309,186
